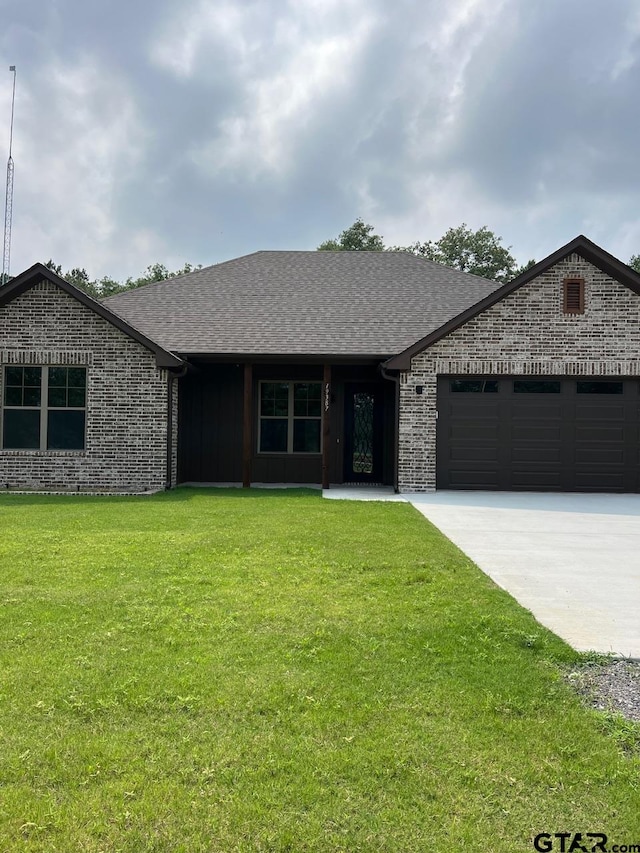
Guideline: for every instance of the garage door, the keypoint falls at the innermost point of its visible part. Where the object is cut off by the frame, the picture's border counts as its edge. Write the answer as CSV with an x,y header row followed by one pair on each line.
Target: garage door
x,y
538,434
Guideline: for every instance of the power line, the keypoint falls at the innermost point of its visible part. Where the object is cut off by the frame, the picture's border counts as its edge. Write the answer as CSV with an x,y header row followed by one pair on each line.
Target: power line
x,y
8,200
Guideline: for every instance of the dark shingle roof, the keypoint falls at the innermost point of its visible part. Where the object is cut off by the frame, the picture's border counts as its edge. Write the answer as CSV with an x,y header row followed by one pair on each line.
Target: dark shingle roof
x,y
302,303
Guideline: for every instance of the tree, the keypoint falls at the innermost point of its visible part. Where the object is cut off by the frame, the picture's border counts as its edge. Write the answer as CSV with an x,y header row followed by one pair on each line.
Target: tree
x,y
106,286
530,263
77,276
477,252
357,238
634,262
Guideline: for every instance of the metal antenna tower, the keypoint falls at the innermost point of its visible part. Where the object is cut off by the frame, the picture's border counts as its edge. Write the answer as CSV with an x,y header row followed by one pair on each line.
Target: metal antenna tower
x,y
8,200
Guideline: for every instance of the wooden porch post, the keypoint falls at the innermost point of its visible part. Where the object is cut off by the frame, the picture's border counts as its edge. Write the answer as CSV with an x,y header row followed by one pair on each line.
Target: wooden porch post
x,y
246,426
326,425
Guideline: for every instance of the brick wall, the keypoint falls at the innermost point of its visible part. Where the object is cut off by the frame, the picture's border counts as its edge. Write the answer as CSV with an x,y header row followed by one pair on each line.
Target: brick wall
x,y
174,433
126,429
526,333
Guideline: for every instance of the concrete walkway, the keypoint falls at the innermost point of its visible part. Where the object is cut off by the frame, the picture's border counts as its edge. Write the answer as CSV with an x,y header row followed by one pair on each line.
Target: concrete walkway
x,y
572,559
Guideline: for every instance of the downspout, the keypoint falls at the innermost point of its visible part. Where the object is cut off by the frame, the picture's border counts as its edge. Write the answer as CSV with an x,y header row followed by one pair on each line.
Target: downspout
x,y
171,375
396,438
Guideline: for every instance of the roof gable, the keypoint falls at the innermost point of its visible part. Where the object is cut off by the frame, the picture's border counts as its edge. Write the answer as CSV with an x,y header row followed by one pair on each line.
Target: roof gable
x,y
580,245
26,280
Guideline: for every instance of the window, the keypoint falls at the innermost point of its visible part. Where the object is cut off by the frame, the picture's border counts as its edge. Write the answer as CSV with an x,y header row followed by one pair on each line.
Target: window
x,y
44,408
573,296
584,387
477,386
290,417
536,386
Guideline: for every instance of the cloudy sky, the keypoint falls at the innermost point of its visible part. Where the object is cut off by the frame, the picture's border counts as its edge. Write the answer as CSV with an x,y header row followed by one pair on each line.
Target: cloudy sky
x,y
200,130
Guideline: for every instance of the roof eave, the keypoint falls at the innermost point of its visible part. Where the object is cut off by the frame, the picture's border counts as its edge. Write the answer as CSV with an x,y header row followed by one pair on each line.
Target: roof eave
x,y
283,357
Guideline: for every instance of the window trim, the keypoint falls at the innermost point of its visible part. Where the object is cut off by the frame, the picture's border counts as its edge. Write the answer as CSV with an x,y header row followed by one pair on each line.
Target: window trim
x,y
291,418
44,408
566,285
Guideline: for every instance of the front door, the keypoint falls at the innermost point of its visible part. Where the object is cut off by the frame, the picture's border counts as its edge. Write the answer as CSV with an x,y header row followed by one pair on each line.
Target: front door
x,y
363,433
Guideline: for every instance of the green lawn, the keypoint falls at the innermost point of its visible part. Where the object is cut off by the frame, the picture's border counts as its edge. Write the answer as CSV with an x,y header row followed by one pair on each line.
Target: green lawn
x,y
268,671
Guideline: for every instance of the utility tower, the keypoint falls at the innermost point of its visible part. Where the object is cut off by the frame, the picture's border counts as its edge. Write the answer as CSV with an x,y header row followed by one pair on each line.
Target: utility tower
x,y
8,201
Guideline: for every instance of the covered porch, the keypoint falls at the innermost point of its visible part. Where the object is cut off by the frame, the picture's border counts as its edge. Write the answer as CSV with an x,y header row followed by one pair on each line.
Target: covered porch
x,y
283,422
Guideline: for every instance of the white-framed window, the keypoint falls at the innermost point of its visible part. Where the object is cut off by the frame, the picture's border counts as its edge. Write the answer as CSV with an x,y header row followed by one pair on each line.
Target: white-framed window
x,y
290,417
44,408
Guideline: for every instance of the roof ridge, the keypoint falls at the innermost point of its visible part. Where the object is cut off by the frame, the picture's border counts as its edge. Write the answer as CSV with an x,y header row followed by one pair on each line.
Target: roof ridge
x,y
373,252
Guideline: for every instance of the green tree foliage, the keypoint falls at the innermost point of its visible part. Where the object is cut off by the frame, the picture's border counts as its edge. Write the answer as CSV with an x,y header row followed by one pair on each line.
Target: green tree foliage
x,y
634,262
530,263
78,276
106,286
477,252
357,238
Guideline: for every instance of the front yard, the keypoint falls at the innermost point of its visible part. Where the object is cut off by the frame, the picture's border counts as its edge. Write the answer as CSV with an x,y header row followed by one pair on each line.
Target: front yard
x,y
268,671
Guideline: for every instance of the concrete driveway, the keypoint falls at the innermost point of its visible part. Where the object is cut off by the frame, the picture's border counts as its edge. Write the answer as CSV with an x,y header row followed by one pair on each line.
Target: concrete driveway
x,y
572,559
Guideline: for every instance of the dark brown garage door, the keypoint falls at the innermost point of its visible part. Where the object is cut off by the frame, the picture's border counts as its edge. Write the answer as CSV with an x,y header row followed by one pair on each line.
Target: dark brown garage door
x,y
508,433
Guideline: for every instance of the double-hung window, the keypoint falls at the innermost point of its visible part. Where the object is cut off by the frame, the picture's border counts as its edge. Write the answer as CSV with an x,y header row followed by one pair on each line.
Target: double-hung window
x,y
290,417
44,408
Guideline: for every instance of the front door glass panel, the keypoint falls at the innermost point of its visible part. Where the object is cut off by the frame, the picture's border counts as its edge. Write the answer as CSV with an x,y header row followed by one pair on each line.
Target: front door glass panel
x,y
363,433
363,436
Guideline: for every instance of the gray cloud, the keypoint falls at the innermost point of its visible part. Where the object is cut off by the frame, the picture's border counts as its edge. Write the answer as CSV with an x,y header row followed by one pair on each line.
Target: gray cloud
x,y
199,131
553,105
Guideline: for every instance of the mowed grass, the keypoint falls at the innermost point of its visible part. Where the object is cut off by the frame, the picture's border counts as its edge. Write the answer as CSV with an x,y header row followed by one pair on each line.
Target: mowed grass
x,y
270,671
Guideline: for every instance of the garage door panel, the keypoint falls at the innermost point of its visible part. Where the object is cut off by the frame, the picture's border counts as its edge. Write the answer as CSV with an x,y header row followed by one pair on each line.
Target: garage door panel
x,y
603,481
595,455
599,433
480,411
474,433
473,454
472,479
595,412
535,454
569,440
535,432
537,409
535,479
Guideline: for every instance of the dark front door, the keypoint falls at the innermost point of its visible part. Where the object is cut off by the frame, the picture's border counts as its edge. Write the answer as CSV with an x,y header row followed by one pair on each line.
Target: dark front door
x,y
363,434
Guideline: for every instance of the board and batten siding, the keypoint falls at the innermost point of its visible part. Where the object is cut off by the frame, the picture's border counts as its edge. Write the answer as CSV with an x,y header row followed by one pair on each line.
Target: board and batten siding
x,y
526,333
127,398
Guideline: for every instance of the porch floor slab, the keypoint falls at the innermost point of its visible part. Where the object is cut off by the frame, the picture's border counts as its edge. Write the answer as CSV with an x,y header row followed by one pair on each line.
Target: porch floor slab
x,y
252,486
